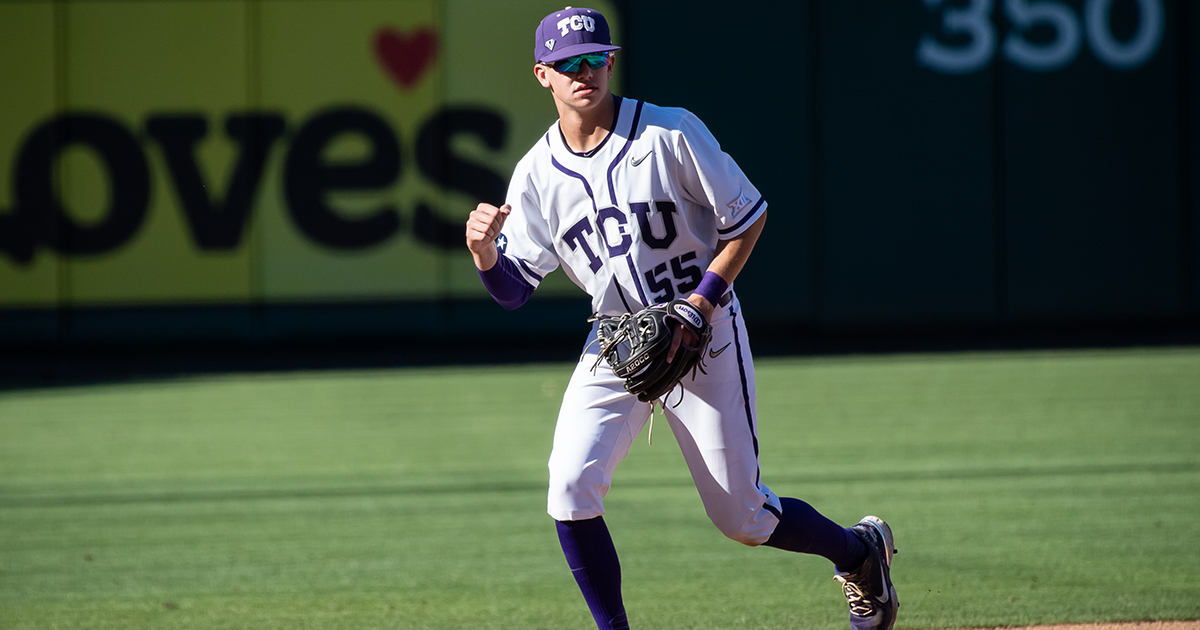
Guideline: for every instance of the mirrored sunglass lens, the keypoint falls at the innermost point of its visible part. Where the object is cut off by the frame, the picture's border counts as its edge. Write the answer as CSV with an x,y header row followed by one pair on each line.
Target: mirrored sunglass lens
x,y
571,64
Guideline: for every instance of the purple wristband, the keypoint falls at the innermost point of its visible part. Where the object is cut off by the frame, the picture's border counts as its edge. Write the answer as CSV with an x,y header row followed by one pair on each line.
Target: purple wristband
x,y
712,287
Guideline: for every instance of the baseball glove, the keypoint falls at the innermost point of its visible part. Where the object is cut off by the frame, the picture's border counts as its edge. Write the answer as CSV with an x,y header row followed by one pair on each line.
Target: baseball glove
x,y
635,346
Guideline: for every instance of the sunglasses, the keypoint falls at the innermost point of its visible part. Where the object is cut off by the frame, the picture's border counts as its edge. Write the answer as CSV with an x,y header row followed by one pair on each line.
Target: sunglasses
x,y
595,61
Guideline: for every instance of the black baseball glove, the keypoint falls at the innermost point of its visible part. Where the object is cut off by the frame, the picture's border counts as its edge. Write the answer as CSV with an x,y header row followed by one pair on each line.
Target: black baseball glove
x,y
635,346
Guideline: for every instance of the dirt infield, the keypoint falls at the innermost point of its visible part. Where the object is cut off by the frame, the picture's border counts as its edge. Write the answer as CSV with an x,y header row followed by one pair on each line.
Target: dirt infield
x,y
1140,625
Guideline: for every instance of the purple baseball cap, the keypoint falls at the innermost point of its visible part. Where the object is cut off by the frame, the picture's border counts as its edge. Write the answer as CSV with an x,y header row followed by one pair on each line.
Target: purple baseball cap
x,y
570,32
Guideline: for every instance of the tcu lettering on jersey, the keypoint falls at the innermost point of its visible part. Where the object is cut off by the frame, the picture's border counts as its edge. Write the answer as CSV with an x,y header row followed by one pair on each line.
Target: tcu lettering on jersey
x,y
614,231
633,225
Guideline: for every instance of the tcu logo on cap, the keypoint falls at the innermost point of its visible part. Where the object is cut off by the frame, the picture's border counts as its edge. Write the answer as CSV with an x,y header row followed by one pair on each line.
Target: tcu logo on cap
x,y
577,23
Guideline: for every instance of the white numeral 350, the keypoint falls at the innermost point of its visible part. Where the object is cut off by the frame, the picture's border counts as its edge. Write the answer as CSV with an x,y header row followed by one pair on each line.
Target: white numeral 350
x,y
974,21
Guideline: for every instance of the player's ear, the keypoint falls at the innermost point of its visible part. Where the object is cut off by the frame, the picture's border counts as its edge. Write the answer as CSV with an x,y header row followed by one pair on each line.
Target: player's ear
x,y
540,71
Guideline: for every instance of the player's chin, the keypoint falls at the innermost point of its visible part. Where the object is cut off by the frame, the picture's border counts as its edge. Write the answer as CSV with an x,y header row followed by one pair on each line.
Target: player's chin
x,y
589,103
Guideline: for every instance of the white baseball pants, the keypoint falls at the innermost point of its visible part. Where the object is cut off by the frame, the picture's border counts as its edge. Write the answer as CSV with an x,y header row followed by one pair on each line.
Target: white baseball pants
x,y
715,425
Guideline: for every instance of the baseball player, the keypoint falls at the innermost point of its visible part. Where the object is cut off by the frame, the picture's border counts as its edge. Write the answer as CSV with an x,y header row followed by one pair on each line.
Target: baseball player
x,y
638,205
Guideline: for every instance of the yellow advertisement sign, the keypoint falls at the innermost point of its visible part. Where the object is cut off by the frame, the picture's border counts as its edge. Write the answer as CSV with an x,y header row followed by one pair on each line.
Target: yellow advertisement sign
x,y
232,151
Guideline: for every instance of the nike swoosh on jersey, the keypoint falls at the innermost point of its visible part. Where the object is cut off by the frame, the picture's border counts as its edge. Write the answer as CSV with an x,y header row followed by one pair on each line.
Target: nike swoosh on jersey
x,y
713,355
641,159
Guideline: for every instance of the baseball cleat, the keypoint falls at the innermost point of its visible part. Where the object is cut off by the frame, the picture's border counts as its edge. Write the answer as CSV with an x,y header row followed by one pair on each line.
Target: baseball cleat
x,y
868,589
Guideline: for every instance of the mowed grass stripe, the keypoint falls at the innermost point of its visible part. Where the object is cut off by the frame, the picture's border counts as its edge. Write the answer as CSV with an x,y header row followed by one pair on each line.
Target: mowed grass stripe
x,y
1023,488
531,486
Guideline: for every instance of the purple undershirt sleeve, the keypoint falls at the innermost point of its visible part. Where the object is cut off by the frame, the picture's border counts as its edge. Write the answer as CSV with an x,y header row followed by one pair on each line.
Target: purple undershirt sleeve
x,y
505,283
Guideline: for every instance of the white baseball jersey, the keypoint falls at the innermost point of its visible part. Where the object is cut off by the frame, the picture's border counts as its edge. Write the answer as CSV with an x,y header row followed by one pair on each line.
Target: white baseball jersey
x,y
634,222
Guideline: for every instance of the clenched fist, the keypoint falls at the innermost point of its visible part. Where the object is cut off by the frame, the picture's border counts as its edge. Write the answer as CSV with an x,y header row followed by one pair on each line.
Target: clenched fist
x,y
483,226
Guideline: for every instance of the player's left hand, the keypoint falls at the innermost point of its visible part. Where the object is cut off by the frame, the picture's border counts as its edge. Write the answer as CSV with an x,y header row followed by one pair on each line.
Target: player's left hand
x,y
635,346
681,334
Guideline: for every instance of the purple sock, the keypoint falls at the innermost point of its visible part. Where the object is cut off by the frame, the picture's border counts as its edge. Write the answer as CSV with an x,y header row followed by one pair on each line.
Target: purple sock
x,y
593,560
804,530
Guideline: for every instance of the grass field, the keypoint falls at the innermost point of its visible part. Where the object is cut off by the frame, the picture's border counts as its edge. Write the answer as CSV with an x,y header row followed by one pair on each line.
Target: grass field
x,y
1023,488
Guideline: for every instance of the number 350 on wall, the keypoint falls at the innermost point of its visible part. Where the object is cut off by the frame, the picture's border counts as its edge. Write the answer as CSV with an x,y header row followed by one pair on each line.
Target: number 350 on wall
x,y
974,21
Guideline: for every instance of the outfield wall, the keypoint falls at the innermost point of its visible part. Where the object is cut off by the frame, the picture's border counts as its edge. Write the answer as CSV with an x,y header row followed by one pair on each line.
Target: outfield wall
x,y
935,162
231,169
246,167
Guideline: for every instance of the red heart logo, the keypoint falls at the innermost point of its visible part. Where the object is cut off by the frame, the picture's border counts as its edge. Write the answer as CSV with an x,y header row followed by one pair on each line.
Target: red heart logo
x,y
406,56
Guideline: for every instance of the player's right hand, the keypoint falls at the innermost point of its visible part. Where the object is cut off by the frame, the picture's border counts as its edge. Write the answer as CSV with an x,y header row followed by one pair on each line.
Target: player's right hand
x,y
483,226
